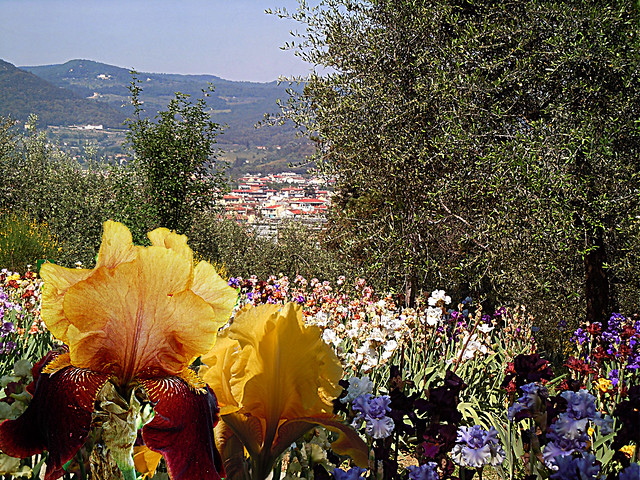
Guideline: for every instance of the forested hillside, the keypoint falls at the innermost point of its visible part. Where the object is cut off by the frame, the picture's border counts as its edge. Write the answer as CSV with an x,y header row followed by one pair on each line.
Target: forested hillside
x,y
239,105
23,93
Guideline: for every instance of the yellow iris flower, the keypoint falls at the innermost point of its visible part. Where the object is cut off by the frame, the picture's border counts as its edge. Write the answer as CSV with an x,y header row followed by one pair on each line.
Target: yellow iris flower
x,y
275,379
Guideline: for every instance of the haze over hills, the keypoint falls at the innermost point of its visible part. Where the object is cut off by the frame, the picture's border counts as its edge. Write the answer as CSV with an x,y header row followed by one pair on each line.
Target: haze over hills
x,y
84,92
240,105
23,93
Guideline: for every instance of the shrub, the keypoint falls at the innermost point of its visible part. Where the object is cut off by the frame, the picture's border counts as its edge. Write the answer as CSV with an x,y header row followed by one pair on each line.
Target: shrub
x,y
23,241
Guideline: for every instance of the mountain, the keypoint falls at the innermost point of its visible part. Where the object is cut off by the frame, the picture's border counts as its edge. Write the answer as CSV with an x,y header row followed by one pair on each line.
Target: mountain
x,y
239,105
23,93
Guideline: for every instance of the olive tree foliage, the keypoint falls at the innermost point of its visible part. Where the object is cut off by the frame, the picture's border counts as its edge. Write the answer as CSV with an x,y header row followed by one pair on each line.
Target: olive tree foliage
x,y
73,197
485,147
175,153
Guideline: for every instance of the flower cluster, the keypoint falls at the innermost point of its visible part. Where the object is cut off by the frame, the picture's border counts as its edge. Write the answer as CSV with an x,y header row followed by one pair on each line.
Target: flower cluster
x,y
608,354
476,447
20,320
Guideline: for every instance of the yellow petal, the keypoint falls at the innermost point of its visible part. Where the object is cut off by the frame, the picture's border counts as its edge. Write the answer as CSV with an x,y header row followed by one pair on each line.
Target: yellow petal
x,y
227,365
116,247
268,365
136,314
57,281
214,290
146,461
162,237
293,373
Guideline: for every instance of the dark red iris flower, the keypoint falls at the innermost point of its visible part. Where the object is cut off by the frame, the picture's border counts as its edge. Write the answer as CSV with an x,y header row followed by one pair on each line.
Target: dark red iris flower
x,y
59,419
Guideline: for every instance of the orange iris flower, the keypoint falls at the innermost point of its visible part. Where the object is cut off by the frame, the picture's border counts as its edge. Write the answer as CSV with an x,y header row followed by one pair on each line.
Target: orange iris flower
x,y
138,319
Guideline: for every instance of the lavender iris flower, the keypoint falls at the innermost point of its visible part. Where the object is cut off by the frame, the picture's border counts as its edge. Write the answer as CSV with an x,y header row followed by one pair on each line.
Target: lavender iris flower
x,y
423,472
568,433
476,447
580,404
372,410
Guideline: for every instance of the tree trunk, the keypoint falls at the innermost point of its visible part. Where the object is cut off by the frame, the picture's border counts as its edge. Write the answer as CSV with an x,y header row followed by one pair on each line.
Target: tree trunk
x,y
596,289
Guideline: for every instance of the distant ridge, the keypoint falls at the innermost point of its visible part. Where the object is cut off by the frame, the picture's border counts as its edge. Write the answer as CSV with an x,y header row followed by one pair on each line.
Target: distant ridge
x,y
239,105
22,93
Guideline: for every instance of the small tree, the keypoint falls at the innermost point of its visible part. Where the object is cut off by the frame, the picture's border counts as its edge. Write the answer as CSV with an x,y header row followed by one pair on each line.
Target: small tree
x,y
176,156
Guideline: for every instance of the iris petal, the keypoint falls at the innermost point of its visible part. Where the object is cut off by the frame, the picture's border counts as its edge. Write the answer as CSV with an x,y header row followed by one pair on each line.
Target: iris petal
x,y
58,419
135,314
269,366
182,429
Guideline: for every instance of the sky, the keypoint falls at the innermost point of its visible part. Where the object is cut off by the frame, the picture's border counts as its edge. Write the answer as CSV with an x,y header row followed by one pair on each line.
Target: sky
x,y
232,39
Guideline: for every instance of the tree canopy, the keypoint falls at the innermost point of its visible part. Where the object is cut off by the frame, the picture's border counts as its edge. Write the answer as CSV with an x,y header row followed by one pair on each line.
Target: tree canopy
x,y
489,147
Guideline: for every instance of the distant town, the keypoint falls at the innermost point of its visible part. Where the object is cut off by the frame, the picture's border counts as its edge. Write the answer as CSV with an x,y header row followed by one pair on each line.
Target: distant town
x,y
264,201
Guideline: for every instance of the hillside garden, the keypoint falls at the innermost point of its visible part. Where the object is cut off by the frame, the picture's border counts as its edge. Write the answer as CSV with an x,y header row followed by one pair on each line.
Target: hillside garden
x,y
470,311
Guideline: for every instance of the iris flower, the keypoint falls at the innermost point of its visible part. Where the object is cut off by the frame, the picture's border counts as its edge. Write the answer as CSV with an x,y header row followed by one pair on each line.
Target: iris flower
x,y
133,325
275,380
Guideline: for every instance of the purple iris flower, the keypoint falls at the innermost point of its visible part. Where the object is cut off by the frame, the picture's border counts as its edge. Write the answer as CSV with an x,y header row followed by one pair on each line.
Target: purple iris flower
x,y
632,472
634,362
234,282
615,321
354,473
614,376
580,468
7,328
580,335
423,472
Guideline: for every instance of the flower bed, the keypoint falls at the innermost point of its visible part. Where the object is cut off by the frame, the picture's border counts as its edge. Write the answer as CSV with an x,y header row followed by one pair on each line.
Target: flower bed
x,y
314,379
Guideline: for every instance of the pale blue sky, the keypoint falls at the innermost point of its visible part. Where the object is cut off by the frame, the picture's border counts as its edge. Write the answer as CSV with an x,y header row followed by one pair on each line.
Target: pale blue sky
x,y
232,39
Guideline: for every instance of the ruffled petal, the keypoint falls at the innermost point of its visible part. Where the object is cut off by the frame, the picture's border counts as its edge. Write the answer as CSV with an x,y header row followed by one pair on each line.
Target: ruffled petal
x,y
227,364
163,237
282,369
182,429
116,248
214,290
57,281
58,419
139,319
136,314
